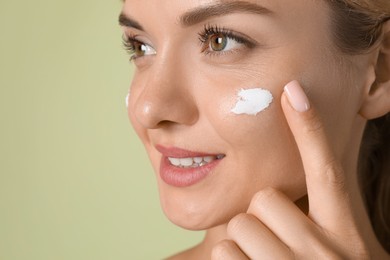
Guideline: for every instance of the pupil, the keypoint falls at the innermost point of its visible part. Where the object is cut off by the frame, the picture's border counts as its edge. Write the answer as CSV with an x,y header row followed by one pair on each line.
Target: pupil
x,y
140,49
218,42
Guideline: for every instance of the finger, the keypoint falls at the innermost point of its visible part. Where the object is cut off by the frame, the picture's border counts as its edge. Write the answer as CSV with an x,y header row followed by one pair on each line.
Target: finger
x,y
255,239
227,250
324,175
289,224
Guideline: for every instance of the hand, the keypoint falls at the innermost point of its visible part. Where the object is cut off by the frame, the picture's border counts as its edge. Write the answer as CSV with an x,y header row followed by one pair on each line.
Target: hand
x,y
275,228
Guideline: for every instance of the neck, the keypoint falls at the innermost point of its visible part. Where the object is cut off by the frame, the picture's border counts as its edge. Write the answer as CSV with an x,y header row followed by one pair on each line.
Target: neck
x,y
212,237
350,163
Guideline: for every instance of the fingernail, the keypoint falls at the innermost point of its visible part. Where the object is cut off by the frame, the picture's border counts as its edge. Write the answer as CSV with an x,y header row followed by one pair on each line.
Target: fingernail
x,y
297,97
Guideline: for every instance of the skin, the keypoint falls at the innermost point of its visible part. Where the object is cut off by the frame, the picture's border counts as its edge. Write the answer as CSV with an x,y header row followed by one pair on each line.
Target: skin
x,y
255,202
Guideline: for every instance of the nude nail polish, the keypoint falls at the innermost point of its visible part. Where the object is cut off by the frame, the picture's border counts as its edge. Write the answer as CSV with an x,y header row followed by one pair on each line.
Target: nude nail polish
x,y
297,96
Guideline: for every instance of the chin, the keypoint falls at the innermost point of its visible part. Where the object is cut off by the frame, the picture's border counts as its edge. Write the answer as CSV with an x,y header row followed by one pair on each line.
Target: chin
x,y
199,213
197,222
204,210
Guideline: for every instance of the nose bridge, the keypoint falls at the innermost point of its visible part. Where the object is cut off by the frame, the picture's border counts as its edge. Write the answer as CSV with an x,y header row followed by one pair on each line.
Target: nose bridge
x,y
166,94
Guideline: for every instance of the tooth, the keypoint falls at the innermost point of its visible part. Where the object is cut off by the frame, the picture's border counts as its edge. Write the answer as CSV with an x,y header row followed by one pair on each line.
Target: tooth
x,y
186,162
174,161
208,159
220,156
198,159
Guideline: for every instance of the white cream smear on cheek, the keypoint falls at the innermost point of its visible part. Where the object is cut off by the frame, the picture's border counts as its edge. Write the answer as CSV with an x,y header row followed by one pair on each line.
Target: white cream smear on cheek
x,y
252,101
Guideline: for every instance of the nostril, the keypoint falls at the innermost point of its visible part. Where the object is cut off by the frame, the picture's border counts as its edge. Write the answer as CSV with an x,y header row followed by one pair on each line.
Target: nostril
x,y
165,123
155,108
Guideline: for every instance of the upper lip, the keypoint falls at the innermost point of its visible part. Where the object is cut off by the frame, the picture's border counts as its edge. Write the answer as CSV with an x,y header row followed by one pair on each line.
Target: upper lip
x,y
176,152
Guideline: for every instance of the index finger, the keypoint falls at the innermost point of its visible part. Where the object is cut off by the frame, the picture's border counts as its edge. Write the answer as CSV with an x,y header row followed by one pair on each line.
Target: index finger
x,y
325,178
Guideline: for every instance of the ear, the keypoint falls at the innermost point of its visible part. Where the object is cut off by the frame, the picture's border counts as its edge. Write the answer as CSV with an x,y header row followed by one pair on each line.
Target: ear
x,y
377,99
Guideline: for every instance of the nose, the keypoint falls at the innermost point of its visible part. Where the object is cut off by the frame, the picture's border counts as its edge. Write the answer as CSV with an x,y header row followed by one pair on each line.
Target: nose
x,y
166,96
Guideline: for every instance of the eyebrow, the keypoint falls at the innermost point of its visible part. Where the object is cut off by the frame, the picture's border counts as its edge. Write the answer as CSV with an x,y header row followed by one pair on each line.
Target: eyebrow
x,y
203,13
129,22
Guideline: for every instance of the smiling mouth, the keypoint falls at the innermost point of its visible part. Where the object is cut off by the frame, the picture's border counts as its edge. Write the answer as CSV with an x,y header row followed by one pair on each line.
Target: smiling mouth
x,y
194,162
182,168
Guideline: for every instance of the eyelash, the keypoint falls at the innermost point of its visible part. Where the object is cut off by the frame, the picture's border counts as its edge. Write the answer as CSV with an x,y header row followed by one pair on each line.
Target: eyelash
x,y
211,30
128,44
204,37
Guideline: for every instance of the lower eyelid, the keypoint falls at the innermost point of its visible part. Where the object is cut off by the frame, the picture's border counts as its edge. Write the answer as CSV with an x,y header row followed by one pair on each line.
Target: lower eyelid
x,y
223,53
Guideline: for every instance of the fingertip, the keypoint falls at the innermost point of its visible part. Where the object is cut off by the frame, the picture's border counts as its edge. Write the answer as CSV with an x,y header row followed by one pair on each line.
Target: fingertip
x,y
296,96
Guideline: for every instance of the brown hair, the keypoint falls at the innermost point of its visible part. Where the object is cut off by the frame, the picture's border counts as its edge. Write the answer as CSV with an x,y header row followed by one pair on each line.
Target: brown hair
x,y
358,27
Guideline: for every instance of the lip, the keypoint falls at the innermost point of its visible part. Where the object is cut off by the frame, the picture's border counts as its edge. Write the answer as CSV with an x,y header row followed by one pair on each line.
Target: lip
x,y
183,177
180,153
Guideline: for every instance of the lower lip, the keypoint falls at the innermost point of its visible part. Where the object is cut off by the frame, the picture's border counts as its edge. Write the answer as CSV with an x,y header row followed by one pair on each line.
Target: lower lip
x,y
184,177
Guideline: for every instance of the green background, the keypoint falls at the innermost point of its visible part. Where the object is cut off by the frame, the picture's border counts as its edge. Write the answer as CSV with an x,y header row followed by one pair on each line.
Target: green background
x,y
75,182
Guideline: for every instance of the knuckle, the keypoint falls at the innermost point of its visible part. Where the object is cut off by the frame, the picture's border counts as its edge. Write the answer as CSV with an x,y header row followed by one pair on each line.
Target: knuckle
x,y
222,249
334,174
330,173
264,197
237,224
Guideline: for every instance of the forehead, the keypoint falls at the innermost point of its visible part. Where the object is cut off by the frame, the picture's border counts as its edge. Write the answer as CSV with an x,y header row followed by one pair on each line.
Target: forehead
x,y
173,10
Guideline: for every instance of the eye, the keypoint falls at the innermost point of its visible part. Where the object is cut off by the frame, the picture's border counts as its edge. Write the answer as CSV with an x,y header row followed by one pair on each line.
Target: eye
x,y
221,42
217,40
137,49
142,49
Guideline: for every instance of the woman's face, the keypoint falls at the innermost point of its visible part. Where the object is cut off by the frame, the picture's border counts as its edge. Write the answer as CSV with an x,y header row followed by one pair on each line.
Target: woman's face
x,y
192,57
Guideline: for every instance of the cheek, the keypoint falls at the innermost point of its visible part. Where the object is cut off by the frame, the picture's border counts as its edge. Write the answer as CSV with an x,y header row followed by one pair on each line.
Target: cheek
x,y
233,124
262,146
237,129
